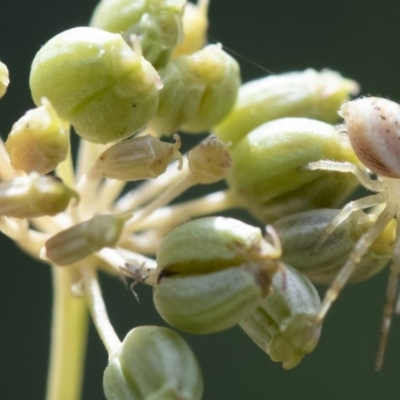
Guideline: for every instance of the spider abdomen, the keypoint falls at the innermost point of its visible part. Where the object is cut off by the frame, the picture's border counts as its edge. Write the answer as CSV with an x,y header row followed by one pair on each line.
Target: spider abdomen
x,y
373,126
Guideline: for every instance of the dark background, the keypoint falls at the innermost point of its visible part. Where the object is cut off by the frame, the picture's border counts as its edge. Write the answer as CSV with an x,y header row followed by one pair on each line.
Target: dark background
x,y
360,38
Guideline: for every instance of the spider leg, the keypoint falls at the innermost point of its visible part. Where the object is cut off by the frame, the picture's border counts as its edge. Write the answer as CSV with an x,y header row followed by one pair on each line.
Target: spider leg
x,y
361,175
361,247
122,275
397,309
132,285
349,208
391,295
276,242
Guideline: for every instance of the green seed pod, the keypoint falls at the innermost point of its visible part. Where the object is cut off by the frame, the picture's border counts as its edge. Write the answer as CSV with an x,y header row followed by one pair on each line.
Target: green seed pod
x,y
209,161
199,90
81,240
157,24
39,140
211,273
34,196
329,190
310,94
142,157
301,232
94,80
4,79
284,325
195,25
266,166
118,15
153,363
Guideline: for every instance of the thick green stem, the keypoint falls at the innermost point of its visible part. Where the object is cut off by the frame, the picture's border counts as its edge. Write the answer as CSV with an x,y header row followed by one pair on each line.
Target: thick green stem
x,y
68,340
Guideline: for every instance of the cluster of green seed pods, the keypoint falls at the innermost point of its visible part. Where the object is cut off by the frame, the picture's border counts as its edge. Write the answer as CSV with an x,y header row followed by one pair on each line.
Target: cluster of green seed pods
x,y
267,163
109,88
143,70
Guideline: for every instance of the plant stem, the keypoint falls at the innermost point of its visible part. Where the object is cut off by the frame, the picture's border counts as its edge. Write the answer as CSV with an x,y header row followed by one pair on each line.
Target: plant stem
x,y
182,212
68,339
173,191
150,189
98,311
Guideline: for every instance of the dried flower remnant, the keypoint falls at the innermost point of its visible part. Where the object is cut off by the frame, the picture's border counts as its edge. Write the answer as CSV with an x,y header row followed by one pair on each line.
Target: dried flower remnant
x,y
142,157
81,240
210,161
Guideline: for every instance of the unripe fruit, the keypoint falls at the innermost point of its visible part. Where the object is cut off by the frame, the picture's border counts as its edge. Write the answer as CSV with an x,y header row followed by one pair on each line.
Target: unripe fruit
x,y
95,81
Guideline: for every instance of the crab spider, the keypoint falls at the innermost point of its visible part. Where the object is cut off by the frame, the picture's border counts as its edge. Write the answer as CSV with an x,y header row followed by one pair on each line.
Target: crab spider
x,y
373,126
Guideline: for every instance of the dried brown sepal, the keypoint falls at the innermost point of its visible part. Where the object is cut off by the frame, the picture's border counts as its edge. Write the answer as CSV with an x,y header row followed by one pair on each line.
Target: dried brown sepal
x,y
210,161
143,157
81,240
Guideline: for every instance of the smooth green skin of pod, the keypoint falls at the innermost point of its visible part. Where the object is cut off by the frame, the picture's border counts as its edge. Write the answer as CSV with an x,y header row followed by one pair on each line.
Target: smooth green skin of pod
x,y
329,190
203,304
157,23
96,82
309,93
211,273
118,15
153,363
199,90
266,163
284,324
300,232
210,244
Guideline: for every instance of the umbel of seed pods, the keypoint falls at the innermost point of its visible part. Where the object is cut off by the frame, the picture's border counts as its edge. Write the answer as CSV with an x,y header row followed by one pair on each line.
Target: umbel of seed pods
x,y
108,92
242,281
210,273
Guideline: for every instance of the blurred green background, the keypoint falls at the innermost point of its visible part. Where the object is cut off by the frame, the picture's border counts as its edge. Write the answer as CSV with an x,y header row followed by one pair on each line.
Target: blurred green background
x,y
359,38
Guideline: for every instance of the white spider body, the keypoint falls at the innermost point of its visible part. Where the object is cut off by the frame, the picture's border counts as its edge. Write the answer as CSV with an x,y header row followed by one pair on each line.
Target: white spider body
x,y
374,130
373,126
